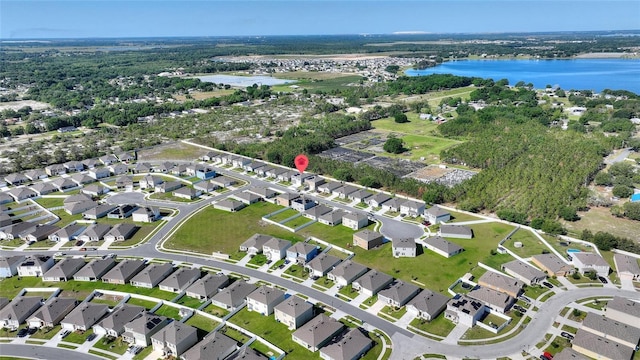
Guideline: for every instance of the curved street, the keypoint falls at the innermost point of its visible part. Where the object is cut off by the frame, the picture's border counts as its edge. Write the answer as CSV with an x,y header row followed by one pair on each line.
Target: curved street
x,y
45,353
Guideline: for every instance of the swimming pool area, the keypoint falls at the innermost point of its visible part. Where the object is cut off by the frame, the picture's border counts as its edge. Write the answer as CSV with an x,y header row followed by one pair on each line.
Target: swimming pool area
x,y
573,250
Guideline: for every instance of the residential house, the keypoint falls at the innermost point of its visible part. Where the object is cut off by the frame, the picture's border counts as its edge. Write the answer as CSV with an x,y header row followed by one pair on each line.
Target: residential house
x,y
264,170
187,193
392,205
355,221
315,212
95,190
569,354
139,330
263,192
205,186
73,208
150,182
121,232
524,272
287,175
627,267
247,198
377,200
276,249
317,332
67,233
412,208
301,252
346,272
14,231
95,269
455,231
229,205
437,215
233,295
214,347
43,188
169,186
493,299
9,265
146,214
343,192
99,211
398,294
99,173
351,346
264,299
16,179
586,262
3,302
314,182
141,167
623,310
328,187
84,316
125,157
73,166
552,265
21,193
19,310
122,211
94,232
286,199
367,239
107,160
174,339
293,312
254,166
207,286
442,247
82,179
151,276
611,329
404,247
223,181
427,304
55,170
333,218
180,280
64,270
5,219
298,178
240,161
5,198
372,282
502,283
35,265
360,196
113,325
464,310
125,183
124,271
164,167
597,347
52,312
302,204
179,169
255,244
39,233
36,174
274,172
321,264
90,163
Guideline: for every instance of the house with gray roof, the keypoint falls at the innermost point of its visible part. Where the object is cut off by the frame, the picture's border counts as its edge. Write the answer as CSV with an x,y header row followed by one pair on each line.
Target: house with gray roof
x,y
627,266
43,188
276,249
113,325
328,187
73,208
355,221
139,330
73,166
9,265
597,347
455,231
223,181
264,299
412,208
254,166
502,283
233,295
215,347
314,182
344,191
205,186
437,215
123,272
372,282
95,190
168,186
35,265
36,174
55,169
569,354
125,183
95,232
264,170
360,195
14,231
552,265
322,264
108,159
398,294
174,339
207,286
350,346
247,353
16,179
333,218
301,252
122,211
90,163
247,198
64,184
95,269
121,232
404,247
493,299
392,204
21,193
84,316
611,329
586,262
99,173
367,239
263,192
19,310
464,310
427,304
40,232
67,233
146,214
64,270
180,280
442,246
293,312
118,169
52,312
5,198
302,203
346,272
316,212
317,332
623,310
150,182
187,193
524,272
377,200
255,244
151,276
82,179
229,205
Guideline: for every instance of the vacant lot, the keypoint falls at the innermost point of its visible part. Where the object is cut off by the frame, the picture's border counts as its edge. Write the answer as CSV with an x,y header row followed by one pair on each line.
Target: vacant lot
x,y
531,245
317,81
600,219
172,151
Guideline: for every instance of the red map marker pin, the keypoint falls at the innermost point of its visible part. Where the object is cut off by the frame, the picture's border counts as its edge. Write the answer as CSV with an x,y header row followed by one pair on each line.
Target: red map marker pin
x,y
301,162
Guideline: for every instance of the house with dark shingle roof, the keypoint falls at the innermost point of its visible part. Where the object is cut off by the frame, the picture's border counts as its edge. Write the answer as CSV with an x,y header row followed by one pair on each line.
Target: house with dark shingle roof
x,y
64,270
378,199
627,266
523,271
52,312
350,346
317,332
121,232
113,325
398,294
502,283
367,239
14,231
180,280
233,295
67,233
404,247
495,300
35,265
84,316
455,231
301,252
123,272
333,218
372,282
9,265
623,310
151,276
95,232
174,339
19,310
213,347
427,304
597,347
612,330
264,299
94,270
276,249
139,330
207,286
436,215
442,247
552,265
255,244
43,188
346,272
293,312
322,264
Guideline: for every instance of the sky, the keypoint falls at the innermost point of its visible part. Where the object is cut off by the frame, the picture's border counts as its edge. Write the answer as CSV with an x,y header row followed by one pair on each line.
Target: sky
x,y
28,19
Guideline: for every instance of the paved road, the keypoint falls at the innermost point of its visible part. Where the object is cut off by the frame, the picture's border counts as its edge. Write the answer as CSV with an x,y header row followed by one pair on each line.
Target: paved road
x,y
612,159
41,352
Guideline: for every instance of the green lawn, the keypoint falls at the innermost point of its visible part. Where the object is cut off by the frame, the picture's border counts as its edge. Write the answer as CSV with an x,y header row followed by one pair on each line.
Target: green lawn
x,y
534,291
46,333
299,221
45,244
215,230
140,302
324,84
190,302
215,310
78,337
324,282
108,302
202,323
258,260
297,271
557,345
50,202
348,292
459,217
274,332
115,345
438,326
143,231
65,218
392,312
169,197
283,215
169,311
339,235
531,245
144,353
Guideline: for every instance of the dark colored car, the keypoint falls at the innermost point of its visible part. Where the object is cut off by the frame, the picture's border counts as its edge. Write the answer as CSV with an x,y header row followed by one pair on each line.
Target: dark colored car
x,y
566,335
603,279
91,337
547,284
32,330
79,242
525,299
22,332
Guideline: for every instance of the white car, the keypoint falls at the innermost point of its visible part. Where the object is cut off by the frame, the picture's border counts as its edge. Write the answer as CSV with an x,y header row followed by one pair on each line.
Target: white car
x,y
58,254
64,334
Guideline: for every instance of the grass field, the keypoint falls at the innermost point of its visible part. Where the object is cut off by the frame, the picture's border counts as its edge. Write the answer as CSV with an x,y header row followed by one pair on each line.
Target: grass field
x,y
531,245
438,326
283,215
320,81
140,302
50,202
600,219
113,345
459,217
201,95
435,97
202,323
172,151
169,311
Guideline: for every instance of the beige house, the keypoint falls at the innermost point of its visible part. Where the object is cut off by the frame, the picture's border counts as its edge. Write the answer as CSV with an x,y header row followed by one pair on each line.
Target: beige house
x,y
367,239
264,299
293,312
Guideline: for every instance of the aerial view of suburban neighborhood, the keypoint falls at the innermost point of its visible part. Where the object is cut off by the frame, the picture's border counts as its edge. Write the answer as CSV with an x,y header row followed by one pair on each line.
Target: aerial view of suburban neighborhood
x,y
298,195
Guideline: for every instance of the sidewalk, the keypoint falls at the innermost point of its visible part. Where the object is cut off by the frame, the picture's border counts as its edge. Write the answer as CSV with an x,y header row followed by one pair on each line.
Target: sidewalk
x,y
568,284
455,334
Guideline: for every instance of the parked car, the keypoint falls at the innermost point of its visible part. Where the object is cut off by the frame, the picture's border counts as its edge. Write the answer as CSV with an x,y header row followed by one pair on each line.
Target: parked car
x,y
32,330
547,284
23,332
520,308
566,335
91,337
603,279
79,243
525,299
64,334
83,249
59,254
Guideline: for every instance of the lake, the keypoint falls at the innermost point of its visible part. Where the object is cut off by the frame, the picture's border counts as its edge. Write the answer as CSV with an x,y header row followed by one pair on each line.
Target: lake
x,y
243,81
578,74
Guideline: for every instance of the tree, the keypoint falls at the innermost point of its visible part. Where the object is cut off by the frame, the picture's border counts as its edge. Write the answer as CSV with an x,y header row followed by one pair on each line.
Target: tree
x,y
632,210
537,223
553,227
400,118
394,145
603,179
569,213
622,191
343,175
369,181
